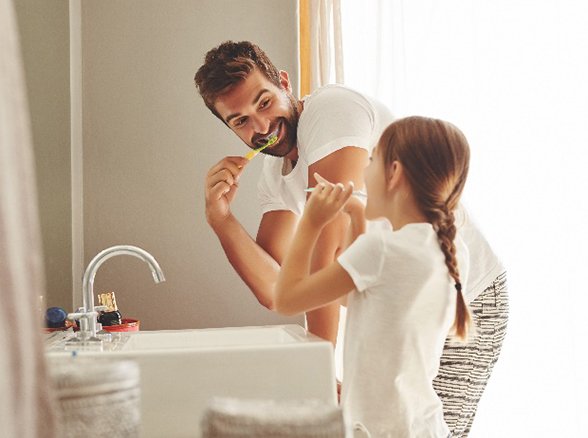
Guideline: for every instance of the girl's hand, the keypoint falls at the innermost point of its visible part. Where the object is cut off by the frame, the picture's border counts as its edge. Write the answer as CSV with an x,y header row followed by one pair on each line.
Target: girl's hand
x,y
353,207
326,200
356,211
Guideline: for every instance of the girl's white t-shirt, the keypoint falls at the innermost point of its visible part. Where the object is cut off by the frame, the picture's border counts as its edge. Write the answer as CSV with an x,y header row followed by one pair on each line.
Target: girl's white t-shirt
x,y
397,321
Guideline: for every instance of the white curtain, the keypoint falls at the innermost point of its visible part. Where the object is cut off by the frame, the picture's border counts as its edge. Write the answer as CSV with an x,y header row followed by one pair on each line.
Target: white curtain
x,y
25,405
513,75
326,63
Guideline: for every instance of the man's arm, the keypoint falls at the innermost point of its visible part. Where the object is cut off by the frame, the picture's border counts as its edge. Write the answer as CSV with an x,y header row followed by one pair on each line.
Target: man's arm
x,y
342,166
258,265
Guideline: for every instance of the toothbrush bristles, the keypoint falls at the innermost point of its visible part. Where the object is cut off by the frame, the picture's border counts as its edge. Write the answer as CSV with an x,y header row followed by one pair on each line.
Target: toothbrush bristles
x,y
254,152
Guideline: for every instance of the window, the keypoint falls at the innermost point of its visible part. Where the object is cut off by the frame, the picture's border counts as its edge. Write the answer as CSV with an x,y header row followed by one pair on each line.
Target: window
x,y
513,75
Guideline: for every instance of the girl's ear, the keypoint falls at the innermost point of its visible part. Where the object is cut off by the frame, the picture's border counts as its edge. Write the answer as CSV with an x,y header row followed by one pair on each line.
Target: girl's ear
x,y
285,81
395,176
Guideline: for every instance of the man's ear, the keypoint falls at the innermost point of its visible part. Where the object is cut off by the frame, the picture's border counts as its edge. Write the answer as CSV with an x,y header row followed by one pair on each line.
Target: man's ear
x,y
285,81
395,176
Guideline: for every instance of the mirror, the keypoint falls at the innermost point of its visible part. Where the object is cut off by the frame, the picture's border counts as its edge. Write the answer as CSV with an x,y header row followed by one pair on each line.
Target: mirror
x,y
123,142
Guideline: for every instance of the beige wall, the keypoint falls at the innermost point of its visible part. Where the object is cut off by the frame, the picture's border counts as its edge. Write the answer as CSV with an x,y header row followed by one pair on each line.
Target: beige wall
x,y
148,141
44,37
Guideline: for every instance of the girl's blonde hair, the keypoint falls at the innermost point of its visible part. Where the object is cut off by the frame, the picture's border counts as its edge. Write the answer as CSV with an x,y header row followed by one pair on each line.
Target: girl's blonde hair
x,y
435,156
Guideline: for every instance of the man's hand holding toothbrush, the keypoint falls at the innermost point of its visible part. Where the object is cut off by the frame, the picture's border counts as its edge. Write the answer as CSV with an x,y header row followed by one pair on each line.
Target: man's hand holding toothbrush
x,y
222,182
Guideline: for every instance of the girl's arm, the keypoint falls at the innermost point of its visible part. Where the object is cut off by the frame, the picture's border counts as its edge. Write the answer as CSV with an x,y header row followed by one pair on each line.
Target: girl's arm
x,y
297,290
356,211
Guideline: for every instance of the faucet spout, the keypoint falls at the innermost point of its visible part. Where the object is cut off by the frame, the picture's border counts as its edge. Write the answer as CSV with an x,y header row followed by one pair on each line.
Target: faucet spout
x,y
92,268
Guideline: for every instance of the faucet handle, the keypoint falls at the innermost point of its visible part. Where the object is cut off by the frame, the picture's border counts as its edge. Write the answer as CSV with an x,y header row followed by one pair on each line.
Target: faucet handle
x,y
80,315
84,318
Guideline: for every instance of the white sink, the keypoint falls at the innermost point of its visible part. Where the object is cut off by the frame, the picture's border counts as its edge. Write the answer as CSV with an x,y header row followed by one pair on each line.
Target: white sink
x,y
181,370
215,338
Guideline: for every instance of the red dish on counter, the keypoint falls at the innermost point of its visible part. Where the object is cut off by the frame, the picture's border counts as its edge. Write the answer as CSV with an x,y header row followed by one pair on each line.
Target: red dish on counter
x,y
128,325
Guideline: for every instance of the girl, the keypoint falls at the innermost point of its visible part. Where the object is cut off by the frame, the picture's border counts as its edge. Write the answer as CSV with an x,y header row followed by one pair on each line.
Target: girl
x,y
405,284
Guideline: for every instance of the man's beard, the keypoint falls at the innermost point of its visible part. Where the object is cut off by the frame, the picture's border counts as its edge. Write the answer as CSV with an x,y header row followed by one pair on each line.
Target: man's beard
x,y
290,124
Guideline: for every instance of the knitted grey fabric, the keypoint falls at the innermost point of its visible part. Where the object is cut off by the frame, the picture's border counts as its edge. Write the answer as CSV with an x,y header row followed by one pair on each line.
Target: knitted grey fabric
x,y
97,398
232,418
466,368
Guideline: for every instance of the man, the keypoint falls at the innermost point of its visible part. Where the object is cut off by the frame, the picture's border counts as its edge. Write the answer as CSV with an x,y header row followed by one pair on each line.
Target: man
x,y
330,132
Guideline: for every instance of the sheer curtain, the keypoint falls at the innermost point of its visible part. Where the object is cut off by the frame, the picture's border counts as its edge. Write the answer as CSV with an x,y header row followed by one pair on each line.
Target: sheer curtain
x,y
25,404
513,75
320,40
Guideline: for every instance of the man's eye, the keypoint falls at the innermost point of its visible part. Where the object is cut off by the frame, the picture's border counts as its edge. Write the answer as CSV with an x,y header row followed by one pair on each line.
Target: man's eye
x,y
264,103
240,122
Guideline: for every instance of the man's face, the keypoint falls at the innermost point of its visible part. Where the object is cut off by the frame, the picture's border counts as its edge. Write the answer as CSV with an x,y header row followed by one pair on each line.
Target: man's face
x,y
255,109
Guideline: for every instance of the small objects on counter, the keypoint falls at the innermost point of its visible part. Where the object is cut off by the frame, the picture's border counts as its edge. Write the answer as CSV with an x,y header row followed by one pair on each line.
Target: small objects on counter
x,y
111,316
55,317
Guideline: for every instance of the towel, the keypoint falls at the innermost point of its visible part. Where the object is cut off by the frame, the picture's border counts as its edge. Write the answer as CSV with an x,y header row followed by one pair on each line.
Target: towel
x,y
98,398
230,418
26,409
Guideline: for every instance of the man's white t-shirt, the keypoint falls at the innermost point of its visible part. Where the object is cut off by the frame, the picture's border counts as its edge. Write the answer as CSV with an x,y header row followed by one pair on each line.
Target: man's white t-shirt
x,y
397,321
333,117
485,266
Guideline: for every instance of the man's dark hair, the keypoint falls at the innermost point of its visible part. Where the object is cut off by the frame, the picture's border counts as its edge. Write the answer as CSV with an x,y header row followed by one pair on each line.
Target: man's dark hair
x,y
228,64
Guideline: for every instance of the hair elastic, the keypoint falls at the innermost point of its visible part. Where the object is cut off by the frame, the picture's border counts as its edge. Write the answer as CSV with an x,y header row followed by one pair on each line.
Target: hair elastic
x,y
458,287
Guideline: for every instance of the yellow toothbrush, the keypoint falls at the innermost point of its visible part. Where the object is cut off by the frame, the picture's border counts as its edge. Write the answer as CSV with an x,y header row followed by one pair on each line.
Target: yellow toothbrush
x,y
249,155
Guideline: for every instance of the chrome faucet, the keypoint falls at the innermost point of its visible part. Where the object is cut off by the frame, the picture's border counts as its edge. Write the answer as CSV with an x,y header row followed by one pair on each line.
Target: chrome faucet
x,y
88,313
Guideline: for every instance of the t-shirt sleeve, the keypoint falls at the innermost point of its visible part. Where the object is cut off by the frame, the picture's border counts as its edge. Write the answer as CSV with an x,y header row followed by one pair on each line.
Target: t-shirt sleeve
x,y
363,260
484,264
334,119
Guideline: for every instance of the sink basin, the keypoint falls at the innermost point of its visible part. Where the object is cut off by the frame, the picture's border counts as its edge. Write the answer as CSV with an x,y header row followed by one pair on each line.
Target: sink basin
x,y
214,338
181,370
